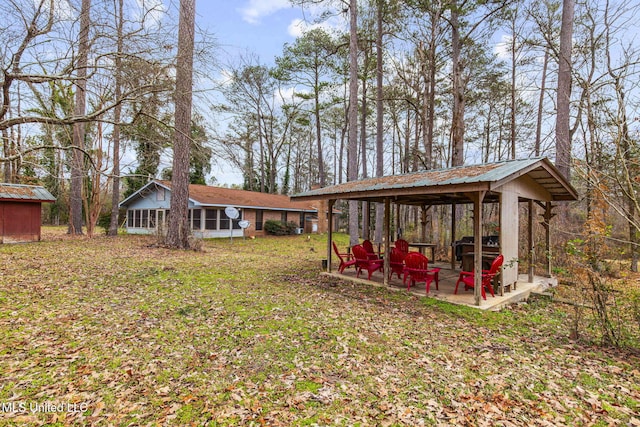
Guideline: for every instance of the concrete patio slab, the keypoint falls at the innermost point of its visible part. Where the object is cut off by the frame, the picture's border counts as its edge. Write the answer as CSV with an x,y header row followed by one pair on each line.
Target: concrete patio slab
x,y
447,285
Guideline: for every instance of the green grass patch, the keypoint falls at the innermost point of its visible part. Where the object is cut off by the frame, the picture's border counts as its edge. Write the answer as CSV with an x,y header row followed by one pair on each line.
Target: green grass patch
x,y
248,333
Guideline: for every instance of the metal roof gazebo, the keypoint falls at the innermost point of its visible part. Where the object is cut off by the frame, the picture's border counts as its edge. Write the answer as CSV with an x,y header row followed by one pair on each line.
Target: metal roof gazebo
x,y
506,182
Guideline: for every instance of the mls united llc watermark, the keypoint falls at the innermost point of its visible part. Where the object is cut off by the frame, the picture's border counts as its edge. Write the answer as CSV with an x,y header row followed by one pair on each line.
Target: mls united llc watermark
x,y
42,407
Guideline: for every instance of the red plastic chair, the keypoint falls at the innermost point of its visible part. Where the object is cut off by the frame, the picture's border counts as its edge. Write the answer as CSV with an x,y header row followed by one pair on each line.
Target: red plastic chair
x,y
396,262
467,277
363,262
417,270
350,261
402,245
371,253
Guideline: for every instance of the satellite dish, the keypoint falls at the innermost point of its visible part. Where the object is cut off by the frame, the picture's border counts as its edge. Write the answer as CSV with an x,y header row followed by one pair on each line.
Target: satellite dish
x,y
231,212
244,223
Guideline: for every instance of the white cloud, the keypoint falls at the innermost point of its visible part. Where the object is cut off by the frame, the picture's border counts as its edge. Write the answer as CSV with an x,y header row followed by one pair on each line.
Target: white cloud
x,y
298,26
503,47
257,9
152,11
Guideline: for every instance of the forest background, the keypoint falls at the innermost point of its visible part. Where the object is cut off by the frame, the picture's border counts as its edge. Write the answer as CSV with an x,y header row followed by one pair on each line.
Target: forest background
x,y
88,98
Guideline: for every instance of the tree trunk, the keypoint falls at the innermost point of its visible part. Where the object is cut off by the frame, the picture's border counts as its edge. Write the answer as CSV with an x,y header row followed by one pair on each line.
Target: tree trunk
x,y
77,163
379,207
543,85
178,230
352,150
457,131
563,134
117,111
366,232
321,173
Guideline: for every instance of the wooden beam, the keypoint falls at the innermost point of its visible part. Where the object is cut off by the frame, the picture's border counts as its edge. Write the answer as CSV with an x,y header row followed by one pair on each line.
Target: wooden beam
x,y
477,243
330,235
453,235
387,241
548,214
531,242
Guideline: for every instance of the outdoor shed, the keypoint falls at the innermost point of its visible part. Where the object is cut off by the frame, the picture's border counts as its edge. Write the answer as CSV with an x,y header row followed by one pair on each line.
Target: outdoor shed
x,y
21,212
508,183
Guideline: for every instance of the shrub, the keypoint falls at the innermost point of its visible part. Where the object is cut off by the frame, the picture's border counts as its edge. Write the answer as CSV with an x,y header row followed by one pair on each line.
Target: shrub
x,y
279,228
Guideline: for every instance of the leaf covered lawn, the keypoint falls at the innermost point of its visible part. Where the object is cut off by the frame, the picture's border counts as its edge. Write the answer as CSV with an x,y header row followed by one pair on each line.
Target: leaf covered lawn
x,y
118,332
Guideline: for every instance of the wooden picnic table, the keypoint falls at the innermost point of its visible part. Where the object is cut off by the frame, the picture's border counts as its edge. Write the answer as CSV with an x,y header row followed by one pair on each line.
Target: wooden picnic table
x,y
421,247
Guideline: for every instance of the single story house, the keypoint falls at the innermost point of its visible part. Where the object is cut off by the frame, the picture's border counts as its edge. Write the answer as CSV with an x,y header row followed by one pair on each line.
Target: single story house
x,y
148,209
21,212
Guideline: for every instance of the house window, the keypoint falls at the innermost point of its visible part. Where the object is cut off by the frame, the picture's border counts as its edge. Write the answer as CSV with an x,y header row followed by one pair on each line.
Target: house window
x,y
130,218
224,220
152,218
283,216
160,194
211,219
145,219
197,219
236,222
259,219
137,214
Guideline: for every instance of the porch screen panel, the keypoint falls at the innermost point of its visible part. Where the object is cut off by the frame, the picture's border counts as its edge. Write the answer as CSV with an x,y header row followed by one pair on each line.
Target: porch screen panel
x,y
197,219
211,219
236,223
224,220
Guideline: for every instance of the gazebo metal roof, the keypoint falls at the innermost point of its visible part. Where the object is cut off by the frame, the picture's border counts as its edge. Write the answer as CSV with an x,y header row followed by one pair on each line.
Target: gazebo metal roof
x,y
446,186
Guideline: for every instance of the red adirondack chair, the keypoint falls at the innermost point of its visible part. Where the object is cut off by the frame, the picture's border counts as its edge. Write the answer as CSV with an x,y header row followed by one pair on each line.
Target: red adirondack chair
x,y
396,262
402,245
363,262
417,270
467,277
371,253
346,259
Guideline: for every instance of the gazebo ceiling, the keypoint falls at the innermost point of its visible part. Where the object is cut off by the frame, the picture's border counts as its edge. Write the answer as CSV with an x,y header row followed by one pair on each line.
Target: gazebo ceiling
x,y
446,186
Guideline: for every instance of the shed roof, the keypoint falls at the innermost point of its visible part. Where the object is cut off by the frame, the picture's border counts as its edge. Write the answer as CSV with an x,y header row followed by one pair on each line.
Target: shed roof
x,y
445,186
27,193
205,195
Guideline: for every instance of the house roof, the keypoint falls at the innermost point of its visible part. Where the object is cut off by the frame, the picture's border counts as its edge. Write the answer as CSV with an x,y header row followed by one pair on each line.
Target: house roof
x,y
28,193
446,186
205,195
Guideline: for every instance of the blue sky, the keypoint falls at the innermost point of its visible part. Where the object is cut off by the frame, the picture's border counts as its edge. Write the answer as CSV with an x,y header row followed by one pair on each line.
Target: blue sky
x,y
256,26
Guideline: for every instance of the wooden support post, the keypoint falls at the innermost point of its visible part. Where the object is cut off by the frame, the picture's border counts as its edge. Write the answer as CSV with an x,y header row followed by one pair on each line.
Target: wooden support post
x,y
531,242
330,234
547,231
453,235
398,234
387,241
477,243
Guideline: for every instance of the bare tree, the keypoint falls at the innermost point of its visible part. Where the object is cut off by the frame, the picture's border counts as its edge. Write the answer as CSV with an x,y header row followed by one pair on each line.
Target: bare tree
x,y
563,134
77,164
178,230
117,112
352,147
